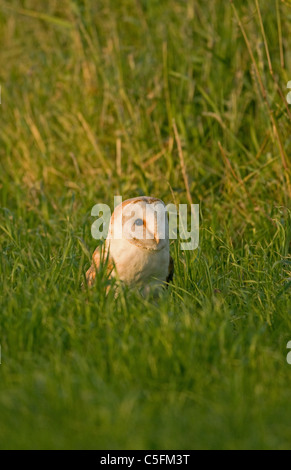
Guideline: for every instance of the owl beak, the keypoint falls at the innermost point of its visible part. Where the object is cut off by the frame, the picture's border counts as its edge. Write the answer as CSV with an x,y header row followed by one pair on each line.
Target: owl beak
x,y
156,237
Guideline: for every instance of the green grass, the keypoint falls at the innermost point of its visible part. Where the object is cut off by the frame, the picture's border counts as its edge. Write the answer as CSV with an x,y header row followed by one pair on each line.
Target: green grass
x,y
89,91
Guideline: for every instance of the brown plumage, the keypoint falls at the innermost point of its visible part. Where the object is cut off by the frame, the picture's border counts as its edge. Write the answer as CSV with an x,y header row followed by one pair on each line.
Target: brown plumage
x,y
171,270
97,259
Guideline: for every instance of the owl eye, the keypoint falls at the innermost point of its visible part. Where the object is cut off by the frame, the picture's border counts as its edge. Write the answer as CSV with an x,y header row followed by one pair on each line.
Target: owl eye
x,y
138,222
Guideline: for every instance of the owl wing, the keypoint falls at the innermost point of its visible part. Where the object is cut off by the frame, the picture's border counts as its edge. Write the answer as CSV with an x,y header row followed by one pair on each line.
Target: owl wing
x,y
170,270
97,258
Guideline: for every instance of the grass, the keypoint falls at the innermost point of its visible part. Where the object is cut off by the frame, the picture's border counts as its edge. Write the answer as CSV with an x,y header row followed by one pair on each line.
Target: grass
x,y
171,99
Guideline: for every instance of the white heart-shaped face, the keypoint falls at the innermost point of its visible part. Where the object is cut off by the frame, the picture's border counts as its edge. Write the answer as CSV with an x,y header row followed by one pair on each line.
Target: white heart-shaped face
x,y
142,221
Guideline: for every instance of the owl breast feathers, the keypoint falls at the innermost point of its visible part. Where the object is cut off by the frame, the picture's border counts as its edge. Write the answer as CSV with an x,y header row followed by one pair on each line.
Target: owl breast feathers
x,y
137,245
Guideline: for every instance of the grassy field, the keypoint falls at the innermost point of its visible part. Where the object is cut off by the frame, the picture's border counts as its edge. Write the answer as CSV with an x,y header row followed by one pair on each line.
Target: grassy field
x,y
90,94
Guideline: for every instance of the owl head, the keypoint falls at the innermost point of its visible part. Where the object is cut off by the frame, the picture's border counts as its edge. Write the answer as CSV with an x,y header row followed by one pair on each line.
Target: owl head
x,y
141,221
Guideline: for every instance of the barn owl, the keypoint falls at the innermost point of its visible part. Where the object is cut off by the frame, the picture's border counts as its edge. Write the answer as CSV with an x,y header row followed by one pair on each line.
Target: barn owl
x,y
137,245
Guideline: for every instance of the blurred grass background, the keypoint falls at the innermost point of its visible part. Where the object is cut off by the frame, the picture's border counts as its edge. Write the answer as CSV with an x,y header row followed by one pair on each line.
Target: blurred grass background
x,y
89,94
